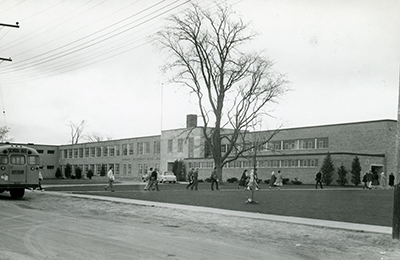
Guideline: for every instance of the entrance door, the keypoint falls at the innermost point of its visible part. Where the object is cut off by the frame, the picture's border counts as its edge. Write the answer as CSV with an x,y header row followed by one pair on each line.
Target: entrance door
x,y
377,169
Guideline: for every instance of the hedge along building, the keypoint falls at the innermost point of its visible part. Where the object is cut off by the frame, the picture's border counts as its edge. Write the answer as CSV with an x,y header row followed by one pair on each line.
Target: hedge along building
x,y
296,152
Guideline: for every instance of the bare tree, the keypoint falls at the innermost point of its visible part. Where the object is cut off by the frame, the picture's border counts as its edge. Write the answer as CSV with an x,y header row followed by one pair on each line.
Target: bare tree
x,y
233,87
96,137
4,130
76,131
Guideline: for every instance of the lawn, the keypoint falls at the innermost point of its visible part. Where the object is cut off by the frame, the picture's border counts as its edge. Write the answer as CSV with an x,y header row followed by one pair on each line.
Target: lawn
x,y
350,204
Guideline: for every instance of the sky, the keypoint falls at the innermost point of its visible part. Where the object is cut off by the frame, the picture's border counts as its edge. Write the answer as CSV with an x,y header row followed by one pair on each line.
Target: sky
x,y
95,60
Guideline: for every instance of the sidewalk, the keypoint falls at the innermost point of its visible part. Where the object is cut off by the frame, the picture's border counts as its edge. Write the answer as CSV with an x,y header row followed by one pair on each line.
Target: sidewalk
x,y
293,220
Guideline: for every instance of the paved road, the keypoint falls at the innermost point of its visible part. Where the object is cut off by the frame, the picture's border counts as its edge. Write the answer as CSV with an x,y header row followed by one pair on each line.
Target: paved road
x,y
41,227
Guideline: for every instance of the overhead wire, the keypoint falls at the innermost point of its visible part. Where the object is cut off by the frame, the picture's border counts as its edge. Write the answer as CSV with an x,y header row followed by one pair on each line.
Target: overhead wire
x,y
95,58
151,18
91,42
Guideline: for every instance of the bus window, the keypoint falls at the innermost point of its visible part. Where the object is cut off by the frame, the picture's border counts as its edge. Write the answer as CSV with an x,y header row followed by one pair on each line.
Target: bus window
x,y
33,159
17,159
3,159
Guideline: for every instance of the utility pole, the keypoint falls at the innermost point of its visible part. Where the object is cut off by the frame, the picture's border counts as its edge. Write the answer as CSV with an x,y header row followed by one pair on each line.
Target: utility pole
x,y
396,199
8,25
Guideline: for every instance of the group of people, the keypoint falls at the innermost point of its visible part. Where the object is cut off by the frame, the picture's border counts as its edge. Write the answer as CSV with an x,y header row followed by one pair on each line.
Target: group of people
x,y
249,180
371,180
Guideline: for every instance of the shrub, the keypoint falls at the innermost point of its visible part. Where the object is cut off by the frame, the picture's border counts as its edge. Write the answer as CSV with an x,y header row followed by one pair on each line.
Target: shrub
x,y
58,173
285,180
296,181
232,180
342,171
68,171
267,181
103,170
78,173
90,174
207,180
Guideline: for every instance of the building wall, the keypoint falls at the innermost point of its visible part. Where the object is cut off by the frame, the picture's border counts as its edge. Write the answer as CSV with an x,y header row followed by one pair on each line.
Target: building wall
x,y
373,142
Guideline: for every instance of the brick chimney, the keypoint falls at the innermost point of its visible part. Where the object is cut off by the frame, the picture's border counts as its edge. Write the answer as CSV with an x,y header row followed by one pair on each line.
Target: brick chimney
x,y
191,121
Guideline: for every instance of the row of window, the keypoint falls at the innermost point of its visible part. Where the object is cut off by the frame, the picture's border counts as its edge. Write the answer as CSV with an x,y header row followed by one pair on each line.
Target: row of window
x,y
17,159
298,144
295,163
111,150
123,168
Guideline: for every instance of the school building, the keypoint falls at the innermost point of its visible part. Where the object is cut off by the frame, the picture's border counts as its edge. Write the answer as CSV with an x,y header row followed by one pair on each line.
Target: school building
x,y
297,152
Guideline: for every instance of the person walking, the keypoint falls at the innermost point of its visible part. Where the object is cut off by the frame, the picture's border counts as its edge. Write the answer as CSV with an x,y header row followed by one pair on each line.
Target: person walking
x,y
190,178
147,179
214,179
111,178
272,180
369,179
279,181
243,178
252,184
383,181
40,178
365,181
318,180
195,183
391,180
153,180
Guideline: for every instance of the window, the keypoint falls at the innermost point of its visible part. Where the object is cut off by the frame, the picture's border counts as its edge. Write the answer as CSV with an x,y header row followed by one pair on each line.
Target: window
x,y
157,147
32,159
105,151
98,151
191,147
310,145
147,147
50,167
87,152
170,143
50,152
124,149
180,145
293,163
224,148
3,159
69,153
112,150
75,153
140,148
130,149
17,159
323,142
92,151
80,151
39,151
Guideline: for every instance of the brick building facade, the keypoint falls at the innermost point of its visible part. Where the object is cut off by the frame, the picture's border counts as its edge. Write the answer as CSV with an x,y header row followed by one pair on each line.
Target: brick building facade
x,y
297,152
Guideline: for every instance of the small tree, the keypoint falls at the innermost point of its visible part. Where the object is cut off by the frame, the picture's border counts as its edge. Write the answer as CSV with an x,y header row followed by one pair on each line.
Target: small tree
x,y
179,170
356,171
68,171
89,174
342,175
58,173
78,173
103,170
327,170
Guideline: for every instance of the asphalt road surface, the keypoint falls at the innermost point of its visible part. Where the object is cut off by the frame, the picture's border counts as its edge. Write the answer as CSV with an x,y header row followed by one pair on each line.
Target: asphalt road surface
x,y
46,226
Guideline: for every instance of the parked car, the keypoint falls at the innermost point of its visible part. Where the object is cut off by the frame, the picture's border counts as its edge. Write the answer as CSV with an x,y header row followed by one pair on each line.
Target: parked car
x,y
167,177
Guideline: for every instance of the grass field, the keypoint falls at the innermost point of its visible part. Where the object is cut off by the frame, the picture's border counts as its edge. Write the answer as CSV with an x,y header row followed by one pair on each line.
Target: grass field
x,y
348,204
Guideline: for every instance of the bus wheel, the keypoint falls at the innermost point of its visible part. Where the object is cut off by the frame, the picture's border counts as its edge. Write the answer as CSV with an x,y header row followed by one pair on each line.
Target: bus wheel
x,y
17,193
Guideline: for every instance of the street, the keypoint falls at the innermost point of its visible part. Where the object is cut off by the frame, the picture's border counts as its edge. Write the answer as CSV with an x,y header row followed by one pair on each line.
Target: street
x,y
43,226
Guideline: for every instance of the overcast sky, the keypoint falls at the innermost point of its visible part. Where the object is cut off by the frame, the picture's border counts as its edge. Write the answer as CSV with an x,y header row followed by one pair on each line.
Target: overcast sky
x,y
92,60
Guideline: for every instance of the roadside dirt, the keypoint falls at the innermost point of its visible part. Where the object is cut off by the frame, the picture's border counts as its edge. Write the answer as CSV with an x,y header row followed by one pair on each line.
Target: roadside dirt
x,y
300,241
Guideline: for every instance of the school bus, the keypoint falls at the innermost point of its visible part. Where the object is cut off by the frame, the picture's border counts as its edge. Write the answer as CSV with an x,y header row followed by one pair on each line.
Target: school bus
x,y
19,169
